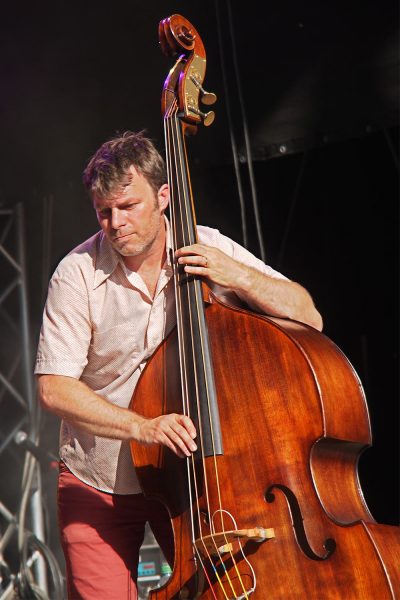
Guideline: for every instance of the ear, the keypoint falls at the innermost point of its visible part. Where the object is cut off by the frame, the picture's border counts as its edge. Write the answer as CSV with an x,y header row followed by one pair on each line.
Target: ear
x,y
163,197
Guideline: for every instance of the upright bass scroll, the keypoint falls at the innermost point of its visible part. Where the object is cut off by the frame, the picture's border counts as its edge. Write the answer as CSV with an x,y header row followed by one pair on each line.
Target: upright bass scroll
x,y
270,504
184,83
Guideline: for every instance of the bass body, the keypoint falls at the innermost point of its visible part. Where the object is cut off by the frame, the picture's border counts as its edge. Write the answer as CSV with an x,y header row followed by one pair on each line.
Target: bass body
x,y
294,422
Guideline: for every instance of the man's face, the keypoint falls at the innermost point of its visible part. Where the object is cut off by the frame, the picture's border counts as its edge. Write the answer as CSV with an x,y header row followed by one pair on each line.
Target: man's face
x,y
132,219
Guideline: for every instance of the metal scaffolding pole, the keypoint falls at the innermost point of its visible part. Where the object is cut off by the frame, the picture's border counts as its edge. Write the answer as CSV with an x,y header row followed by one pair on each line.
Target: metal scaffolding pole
x,y
18,403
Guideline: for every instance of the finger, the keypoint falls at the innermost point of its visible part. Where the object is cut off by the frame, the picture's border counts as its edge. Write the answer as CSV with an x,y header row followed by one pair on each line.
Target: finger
x,y
177,432
183,438
178,444
158,431
197,260
190,249
187,423
197,271
175,448
165,441
193,249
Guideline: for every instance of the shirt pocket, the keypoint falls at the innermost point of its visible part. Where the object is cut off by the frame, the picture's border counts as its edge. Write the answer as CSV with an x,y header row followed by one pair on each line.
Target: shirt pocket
x,y
112,352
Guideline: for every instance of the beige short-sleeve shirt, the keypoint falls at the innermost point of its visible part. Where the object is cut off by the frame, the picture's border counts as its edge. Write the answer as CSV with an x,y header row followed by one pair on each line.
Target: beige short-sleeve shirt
x,y
100,325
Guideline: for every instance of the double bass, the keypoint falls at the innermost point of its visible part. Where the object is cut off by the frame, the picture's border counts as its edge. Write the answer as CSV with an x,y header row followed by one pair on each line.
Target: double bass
x,y
270,505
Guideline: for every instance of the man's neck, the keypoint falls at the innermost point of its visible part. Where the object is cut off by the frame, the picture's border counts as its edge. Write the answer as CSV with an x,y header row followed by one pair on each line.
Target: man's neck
x,y
149,264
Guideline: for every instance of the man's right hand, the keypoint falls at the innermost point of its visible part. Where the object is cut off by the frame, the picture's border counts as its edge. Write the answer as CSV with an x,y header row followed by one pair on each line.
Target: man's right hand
x,y
177,432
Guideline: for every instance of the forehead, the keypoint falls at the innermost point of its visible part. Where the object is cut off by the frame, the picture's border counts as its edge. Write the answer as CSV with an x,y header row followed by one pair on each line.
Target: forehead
x,y
134,185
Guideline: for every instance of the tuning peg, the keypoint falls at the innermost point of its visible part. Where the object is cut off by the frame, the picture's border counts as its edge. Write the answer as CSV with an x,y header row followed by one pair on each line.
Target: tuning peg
x,y
208,118
207,98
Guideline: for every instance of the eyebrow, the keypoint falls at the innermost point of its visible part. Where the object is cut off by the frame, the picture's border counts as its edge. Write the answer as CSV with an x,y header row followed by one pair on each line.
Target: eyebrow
x,y
123,204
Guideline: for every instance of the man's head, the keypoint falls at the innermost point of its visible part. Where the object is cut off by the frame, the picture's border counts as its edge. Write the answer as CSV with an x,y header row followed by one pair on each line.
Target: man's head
x,y
108,171
126,181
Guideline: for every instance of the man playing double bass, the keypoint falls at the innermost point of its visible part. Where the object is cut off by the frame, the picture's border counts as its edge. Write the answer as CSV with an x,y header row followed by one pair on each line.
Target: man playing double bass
x,y
110,303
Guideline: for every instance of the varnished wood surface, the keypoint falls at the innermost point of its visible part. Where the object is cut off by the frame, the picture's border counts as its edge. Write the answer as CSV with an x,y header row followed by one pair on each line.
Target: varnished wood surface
x,y
294,415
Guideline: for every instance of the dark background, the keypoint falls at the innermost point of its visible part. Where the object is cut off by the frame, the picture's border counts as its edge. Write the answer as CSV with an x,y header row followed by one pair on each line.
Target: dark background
x,y
320,92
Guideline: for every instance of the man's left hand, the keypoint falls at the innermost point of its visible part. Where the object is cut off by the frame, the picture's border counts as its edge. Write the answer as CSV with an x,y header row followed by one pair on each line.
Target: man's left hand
x,y
211,263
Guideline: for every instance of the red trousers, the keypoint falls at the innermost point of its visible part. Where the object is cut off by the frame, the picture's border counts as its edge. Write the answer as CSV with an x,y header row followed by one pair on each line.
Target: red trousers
x,y
101,535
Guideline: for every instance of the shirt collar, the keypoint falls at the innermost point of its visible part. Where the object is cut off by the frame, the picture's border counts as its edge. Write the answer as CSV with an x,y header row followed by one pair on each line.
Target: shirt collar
x,y
107,259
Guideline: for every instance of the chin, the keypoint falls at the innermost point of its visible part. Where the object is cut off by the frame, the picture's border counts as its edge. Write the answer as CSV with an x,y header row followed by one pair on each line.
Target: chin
x,y
125,247
129,251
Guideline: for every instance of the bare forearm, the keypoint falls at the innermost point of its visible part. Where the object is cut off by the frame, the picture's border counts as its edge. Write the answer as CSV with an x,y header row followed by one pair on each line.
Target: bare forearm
x,y
269,295
277,297
75,402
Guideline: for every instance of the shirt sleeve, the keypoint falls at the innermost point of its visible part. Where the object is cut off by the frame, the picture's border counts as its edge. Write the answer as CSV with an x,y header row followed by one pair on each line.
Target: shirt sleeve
x,y
66,330
213,237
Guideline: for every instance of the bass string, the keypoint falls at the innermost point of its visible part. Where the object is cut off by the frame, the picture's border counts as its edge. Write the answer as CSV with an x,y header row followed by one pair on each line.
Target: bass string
x,y
178,207
172,168
187,239
169,144
184,203
199,306
185,200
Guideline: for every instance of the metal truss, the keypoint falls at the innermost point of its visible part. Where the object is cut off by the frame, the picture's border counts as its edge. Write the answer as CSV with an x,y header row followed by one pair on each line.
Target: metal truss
x,y
19,410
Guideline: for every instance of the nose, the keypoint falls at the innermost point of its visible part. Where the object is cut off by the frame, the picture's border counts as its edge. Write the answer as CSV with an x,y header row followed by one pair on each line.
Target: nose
x,y
117,218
